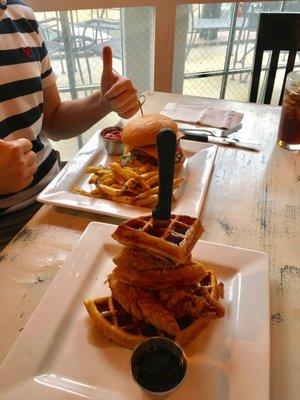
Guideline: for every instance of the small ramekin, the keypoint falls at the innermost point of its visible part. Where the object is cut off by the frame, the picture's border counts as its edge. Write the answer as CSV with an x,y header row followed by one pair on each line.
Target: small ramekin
x,y
155,343
113,147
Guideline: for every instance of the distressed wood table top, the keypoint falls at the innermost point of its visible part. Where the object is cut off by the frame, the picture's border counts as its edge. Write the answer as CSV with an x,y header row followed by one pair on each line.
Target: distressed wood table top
x,y
253,201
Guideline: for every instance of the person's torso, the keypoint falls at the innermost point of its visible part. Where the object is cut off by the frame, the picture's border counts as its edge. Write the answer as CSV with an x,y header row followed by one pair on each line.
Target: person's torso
x,y
21,95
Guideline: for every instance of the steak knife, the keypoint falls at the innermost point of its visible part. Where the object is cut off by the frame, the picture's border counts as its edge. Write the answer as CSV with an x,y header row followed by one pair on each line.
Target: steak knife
x,y
166,148
225,141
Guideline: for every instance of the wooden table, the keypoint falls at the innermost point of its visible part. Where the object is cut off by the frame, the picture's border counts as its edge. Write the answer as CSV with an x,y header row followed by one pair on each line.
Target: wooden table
x,y
253,202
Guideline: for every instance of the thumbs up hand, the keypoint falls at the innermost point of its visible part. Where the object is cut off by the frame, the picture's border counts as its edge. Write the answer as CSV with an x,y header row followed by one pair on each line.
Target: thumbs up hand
x,y
118,93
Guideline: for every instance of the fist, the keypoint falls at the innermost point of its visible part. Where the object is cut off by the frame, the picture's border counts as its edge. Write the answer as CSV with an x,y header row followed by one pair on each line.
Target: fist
x,y
17,165
119,94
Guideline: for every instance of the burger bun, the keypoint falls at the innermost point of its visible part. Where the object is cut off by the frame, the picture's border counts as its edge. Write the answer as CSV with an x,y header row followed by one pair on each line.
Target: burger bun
x,y
142,131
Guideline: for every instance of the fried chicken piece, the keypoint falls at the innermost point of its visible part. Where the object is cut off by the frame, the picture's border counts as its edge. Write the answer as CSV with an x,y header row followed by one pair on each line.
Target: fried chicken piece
x,y
181,302
143,305
160,279
221,289
127,296
194,301
212,290
214,305
139,259
158,315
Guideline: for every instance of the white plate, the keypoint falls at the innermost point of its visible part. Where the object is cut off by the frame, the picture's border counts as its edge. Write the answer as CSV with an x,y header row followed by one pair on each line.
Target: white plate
x,y
60,354
197,171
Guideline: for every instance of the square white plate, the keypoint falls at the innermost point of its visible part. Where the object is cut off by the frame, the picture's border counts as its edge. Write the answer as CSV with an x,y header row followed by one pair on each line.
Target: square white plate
x,y
197,172
60,354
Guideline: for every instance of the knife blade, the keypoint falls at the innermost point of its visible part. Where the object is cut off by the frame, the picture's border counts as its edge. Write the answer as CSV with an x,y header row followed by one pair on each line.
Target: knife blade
x,y
225,141
219,132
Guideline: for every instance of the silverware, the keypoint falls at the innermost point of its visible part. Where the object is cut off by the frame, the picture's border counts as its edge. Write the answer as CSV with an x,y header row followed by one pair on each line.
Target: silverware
x,y
166,148
218,132
204,137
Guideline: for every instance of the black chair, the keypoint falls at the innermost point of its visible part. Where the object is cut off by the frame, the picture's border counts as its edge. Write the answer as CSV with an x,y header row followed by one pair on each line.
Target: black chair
x,y
276,32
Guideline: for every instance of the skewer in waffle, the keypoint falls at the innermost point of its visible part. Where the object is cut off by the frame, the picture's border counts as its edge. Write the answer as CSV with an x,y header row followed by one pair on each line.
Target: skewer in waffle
x,y
128,330
174,241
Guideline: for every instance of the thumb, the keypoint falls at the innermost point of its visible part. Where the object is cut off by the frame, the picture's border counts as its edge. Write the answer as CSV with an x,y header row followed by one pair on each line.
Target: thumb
x,y
107,62
4,143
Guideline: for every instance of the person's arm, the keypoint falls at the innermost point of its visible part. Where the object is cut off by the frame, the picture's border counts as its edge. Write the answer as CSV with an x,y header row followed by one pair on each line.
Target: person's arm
x,y
63,120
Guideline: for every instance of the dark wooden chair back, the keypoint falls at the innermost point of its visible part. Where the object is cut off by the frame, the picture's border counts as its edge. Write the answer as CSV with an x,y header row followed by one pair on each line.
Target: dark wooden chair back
x,y
276,32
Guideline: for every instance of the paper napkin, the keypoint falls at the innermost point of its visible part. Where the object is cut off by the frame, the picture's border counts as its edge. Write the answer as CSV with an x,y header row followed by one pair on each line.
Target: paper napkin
x,y
205,116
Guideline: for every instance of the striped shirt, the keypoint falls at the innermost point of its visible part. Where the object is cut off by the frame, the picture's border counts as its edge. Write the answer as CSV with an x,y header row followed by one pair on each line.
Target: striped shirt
x,y
24,71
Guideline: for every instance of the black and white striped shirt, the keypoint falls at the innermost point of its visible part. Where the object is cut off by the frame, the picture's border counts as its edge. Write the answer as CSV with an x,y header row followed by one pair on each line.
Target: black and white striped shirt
x,y
24,71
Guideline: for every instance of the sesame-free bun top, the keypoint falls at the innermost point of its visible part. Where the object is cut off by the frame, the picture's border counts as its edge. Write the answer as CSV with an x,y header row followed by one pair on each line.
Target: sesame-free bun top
x,y
142,131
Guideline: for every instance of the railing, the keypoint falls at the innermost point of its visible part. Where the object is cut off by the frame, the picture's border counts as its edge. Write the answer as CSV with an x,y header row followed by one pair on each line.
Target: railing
x,y
165,38
165,20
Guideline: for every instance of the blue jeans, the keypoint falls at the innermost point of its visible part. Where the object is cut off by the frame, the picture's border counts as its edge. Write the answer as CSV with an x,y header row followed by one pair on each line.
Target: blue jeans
x,y
11,223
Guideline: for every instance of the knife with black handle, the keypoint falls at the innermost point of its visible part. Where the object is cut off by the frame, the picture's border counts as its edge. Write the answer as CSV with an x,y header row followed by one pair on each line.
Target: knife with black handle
x,y
166,148
225,141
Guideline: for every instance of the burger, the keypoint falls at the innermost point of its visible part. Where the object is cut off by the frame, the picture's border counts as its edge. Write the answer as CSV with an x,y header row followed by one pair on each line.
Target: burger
x,y
139,136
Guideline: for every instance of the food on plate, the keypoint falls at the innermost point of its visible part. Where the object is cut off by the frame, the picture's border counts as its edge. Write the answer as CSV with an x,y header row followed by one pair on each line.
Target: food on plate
x,y
139,259
174,297
149,306
139,136
173,242
160,278
134,178
130,185
114,134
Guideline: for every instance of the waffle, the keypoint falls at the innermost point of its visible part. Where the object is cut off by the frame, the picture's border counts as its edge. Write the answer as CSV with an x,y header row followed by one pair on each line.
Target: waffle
x,y
174,242
123,328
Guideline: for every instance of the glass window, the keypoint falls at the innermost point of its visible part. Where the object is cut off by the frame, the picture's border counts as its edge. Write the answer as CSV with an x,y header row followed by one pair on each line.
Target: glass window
x,y
215,46
75,40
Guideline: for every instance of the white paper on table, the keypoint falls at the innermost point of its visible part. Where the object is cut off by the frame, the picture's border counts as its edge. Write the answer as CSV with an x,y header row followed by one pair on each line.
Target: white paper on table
x,y
205,116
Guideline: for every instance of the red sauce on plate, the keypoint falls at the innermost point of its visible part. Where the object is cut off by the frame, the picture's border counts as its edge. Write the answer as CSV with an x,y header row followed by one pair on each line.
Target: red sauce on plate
x,y
114,135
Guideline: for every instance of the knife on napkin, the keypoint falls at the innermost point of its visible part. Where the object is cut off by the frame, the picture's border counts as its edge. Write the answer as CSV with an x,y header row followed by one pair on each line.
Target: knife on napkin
x,y
225,141
210,130
166,148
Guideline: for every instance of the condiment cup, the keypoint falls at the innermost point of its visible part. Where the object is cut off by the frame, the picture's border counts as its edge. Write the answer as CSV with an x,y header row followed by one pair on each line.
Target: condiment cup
x,y
158,366
113,147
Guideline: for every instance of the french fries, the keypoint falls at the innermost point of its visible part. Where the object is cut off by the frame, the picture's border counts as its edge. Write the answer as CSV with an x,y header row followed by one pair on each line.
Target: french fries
x,y
129,185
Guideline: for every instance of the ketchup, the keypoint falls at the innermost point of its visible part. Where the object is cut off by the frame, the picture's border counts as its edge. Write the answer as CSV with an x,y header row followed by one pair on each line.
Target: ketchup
x,y
114,135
